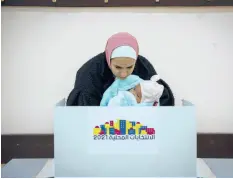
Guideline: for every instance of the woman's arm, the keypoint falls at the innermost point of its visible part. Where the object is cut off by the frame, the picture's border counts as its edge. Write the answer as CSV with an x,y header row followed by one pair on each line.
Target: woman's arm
x,y
82,99
146,70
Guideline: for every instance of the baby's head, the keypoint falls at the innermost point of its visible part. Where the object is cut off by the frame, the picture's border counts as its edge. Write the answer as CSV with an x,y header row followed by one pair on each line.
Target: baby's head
x,y
148,91
136,91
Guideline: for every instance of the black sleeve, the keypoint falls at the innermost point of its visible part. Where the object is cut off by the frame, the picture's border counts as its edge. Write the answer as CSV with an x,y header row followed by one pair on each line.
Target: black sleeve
x,y
86,99
83,98
164,99
167,98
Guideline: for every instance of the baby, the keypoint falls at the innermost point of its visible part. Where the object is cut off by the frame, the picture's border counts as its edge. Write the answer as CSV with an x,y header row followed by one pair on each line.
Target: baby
x,y
133,91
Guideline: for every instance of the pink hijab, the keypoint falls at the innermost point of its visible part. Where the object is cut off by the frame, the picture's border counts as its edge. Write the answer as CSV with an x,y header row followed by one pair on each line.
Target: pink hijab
x,y
120,39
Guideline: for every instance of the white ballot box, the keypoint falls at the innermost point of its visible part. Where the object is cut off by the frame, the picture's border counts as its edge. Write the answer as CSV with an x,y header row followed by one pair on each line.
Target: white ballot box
x,y
125,141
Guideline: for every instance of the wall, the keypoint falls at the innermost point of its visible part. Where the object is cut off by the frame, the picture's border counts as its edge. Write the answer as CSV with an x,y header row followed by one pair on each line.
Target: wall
x,y
42,48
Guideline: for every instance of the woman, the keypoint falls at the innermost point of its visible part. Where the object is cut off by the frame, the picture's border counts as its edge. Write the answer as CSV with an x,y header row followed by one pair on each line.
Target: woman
x,y
96,75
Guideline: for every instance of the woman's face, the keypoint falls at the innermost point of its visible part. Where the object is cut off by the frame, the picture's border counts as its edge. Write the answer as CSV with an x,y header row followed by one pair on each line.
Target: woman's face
x,y
122,67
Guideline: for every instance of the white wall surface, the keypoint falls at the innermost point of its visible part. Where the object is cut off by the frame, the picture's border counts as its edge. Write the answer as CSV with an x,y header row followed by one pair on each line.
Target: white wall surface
x,y
42,48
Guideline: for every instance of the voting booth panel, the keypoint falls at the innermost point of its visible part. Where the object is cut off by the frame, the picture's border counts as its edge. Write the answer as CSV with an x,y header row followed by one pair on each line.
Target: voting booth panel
x,y
125,141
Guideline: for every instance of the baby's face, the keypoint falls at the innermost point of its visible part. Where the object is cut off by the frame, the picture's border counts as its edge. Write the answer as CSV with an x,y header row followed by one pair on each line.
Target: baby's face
x,y
137,93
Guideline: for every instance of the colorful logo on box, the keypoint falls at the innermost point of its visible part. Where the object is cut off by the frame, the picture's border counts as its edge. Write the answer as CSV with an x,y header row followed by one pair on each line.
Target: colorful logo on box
x,y
123,129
